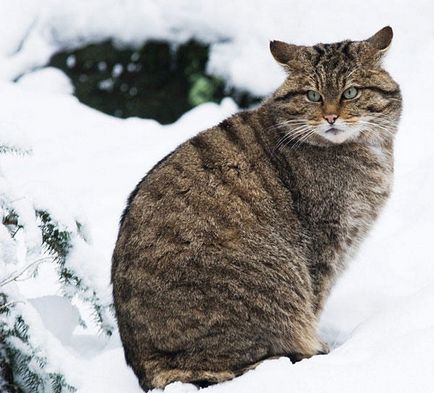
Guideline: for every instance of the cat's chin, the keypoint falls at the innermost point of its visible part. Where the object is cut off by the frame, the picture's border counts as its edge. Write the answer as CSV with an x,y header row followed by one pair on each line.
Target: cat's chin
x,y
337,135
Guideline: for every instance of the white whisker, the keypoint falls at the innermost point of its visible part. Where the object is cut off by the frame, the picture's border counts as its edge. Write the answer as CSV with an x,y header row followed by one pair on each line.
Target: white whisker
x,y
289,134
305,137
374,124
287,122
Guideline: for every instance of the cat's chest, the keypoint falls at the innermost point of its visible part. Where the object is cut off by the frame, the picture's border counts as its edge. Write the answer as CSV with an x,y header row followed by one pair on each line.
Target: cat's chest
x,y
342,193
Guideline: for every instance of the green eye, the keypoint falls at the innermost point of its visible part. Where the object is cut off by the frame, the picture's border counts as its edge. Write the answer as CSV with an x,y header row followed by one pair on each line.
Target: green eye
x,y
313,96
350,93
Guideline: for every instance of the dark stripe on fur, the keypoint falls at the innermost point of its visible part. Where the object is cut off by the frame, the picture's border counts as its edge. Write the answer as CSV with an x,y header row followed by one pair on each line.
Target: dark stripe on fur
x,y
376,109
345,49
136,190
377,89
231,132
319,50
290,95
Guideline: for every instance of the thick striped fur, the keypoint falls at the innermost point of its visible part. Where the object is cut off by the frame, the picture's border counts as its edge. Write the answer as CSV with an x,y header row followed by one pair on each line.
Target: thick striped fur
x,y
229,247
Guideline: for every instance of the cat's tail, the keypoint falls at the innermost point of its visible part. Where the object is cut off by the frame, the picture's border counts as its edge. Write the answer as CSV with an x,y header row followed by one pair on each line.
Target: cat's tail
x,y
200,378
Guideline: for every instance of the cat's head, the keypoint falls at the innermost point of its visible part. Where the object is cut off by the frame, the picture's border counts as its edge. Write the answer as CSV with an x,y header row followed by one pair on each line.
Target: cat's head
x,y
336,93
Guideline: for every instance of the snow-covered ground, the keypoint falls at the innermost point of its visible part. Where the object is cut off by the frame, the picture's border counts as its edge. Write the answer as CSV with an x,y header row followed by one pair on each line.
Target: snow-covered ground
x,y
379,320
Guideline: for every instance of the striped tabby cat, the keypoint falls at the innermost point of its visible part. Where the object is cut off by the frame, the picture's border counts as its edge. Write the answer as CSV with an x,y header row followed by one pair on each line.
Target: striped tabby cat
x,y
229,246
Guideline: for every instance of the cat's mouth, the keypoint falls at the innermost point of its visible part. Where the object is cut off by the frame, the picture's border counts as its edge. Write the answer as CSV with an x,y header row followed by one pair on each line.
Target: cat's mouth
x,y
337,133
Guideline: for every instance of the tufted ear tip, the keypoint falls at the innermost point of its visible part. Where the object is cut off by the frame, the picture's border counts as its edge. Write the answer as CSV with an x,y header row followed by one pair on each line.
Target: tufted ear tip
x,y
382,39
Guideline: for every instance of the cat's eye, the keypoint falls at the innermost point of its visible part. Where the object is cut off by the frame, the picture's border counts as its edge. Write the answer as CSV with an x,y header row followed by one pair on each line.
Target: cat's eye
x,y
313,96
350,93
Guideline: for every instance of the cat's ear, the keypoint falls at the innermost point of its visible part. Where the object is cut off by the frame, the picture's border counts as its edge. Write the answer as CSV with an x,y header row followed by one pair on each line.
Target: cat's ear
x,y
283,53
382,39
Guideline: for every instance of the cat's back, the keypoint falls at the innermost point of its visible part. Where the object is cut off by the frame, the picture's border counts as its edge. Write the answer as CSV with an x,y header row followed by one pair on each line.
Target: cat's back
x,y
204,191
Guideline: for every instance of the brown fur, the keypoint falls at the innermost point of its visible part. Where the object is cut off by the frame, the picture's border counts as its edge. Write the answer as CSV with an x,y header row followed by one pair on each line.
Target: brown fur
x,y
229,247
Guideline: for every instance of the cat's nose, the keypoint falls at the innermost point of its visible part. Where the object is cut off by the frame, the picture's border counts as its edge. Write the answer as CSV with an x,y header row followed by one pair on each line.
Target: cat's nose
x,y
331,118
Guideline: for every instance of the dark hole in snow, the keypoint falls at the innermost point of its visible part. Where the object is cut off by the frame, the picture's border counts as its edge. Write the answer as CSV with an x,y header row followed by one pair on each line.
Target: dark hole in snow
x,y
156,81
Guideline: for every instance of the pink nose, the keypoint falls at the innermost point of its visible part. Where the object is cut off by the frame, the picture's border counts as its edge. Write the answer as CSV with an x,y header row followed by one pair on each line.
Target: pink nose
x,y
331,118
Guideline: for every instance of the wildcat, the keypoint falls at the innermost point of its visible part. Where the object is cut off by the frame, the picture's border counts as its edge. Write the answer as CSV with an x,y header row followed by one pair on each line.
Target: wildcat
x,y
229,246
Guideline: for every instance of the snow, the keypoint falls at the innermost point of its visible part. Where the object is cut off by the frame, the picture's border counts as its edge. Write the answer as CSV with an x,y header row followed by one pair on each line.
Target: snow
x,y
83,164
63,316
48,79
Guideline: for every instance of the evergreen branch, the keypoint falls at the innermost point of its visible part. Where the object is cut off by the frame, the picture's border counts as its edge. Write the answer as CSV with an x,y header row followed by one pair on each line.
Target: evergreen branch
x,y
7,305
15,276
57,243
